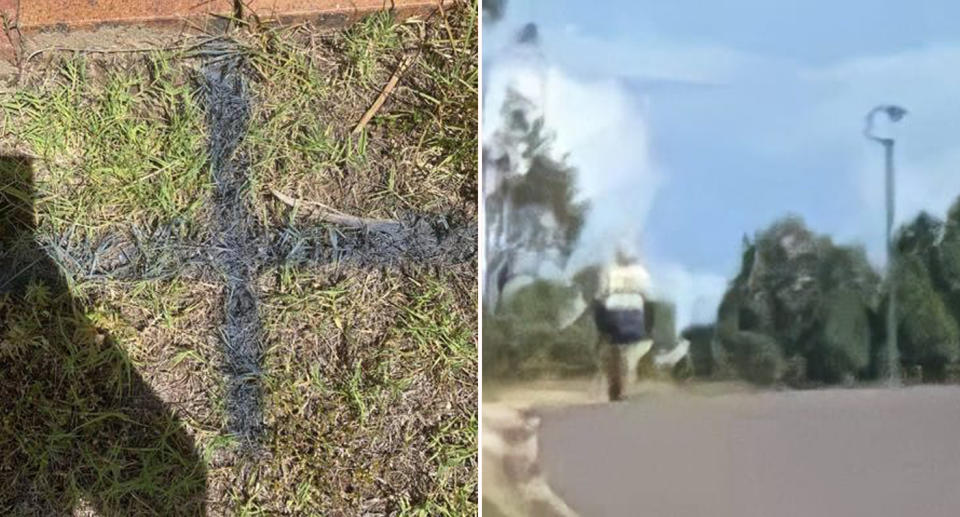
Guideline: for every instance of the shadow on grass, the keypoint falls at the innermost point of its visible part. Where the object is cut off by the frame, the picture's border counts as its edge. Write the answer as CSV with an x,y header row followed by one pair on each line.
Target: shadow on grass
x,y
77,423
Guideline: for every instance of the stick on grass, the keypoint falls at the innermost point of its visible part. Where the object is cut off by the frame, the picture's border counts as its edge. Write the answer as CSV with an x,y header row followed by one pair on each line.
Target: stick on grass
x,y
391,84
332,215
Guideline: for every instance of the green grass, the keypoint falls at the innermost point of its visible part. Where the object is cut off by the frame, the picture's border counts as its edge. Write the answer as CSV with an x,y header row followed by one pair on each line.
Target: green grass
x,y
366,43
116,144
371,374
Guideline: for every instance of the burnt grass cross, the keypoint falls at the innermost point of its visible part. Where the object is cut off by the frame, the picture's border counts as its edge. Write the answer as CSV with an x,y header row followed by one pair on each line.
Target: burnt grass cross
x,y
240,249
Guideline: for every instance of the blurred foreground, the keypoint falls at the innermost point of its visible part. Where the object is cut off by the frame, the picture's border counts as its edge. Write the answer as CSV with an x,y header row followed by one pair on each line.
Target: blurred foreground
x,y
726,449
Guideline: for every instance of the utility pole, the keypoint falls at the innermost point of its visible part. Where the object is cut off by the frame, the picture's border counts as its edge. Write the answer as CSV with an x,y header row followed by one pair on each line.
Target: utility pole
x,y
894,113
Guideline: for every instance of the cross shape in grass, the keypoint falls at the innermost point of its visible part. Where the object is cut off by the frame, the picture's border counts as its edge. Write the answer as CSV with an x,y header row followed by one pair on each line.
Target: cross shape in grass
x,y
241,250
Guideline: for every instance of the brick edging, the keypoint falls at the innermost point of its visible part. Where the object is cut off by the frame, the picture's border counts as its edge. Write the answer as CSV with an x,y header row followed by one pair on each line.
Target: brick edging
x,y
34,16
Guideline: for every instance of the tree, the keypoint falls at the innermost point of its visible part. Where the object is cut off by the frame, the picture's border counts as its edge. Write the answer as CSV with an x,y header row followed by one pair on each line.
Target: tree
x,y
752,355
798,310
843,350
533,216
494,9
949,260
928,333
551,185
927,328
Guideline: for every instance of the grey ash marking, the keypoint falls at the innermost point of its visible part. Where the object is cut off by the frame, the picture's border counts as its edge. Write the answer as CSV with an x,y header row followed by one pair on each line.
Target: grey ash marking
x,y
235,251
423,240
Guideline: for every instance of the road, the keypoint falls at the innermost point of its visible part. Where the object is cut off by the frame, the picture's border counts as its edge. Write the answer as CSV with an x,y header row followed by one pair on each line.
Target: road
x,y
824,453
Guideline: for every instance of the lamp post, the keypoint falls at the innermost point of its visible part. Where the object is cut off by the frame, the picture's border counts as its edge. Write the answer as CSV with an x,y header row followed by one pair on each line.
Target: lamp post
x,y
894,113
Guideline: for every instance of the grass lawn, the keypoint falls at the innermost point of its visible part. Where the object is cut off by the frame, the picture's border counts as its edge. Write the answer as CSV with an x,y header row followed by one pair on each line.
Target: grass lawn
x,y
112,391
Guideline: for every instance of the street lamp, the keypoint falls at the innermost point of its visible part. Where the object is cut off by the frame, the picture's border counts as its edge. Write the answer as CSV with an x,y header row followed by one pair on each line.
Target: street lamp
x,y
894,113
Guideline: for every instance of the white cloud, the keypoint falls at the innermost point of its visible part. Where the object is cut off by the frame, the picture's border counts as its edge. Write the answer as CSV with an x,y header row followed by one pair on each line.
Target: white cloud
x,y
696,294
599,128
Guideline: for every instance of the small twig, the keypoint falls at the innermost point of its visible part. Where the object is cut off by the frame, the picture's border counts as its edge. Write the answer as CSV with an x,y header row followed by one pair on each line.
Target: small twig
x,y
391,84
332,215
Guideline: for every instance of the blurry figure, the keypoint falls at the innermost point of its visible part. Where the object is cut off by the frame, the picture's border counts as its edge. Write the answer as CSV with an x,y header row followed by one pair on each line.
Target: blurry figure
x,y
513,482
621,321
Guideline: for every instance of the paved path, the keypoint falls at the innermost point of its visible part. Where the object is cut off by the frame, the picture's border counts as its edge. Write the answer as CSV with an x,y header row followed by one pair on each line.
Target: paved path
x,y
864,452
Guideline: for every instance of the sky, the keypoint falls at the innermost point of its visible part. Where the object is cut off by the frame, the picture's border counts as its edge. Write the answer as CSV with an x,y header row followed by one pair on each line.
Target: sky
x,y
750,110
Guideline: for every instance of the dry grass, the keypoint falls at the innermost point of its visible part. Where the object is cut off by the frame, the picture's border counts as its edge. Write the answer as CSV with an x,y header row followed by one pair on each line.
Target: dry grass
x,y
419,151
373,377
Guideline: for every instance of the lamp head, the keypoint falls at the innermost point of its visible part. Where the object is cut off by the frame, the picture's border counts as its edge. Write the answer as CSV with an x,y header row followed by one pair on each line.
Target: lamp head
x,y
894,112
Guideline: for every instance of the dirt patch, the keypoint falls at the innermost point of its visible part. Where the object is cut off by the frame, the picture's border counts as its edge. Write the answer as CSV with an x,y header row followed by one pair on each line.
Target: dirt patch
x,y
45,47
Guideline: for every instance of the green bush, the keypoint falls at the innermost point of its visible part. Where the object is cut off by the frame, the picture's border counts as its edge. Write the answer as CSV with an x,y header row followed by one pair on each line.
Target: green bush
x,y
539,302
523,338
497,352
701,348
757,357
949,260
573,350
751,355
